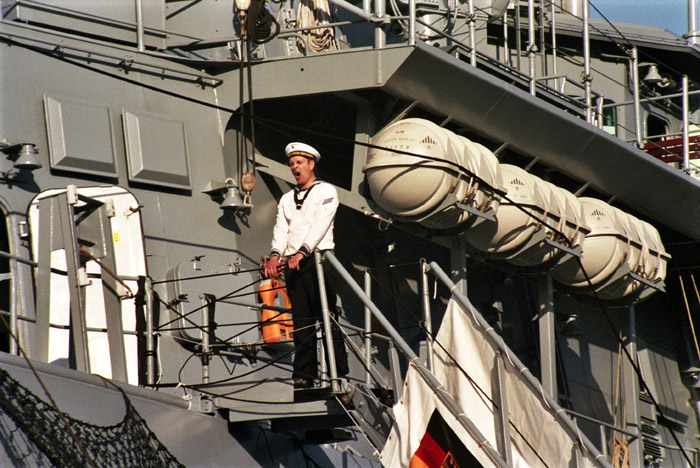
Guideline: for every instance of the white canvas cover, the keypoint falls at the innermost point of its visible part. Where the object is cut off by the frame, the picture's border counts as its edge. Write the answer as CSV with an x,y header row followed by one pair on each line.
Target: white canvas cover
x,y
464,364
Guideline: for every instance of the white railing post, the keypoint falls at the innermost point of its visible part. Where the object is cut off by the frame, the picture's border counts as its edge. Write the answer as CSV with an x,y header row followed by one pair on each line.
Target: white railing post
x,y
139,26
686,136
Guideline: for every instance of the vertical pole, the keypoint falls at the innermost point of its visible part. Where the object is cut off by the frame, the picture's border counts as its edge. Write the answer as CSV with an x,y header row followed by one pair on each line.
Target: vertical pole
x,y
325,312
506,49
472,34
14,298
206,344
518,41
365,126
554,41
586,62
692,23
686,143
545,294
603,441
542,47
634,69
150,337
599,111
368,330
631,392
427,317
531,45
458,259
139,26
411,22
379,34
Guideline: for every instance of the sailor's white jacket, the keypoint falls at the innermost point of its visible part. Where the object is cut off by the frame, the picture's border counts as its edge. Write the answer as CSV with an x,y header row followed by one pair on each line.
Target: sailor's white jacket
x,y
305,221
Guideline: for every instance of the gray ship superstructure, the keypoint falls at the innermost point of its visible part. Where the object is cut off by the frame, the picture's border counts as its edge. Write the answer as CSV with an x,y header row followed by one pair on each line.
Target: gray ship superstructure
x,y
517,168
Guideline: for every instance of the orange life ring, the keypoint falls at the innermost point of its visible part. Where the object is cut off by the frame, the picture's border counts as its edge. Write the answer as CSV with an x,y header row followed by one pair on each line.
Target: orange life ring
x,y
276,326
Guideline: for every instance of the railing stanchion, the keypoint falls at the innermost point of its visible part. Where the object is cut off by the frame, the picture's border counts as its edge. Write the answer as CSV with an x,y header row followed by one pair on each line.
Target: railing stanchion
x,y
685,110
330,350
368,330
412,22
427,317
150,337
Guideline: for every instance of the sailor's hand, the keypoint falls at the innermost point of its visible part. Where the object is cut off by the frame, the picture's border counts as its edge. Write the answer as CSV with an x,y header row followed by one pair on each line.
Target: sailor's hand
x,y
293,262
272,267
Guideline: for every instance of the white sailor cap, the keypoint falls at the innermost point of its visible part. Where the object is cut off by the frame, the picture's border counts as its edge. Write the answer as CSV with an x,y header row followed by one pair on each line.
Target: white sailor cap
x,y
302,149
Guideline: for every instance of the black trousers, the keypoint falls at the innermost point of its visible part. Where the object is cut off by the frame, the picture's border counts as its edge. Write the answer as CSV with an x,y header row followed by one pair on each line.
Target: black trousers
x,y
303,291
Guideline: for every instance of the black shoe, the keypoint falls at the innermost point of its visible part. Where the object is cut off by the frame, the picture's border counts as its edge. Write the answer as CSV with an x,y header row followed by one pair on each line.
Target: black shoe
x,y
303,383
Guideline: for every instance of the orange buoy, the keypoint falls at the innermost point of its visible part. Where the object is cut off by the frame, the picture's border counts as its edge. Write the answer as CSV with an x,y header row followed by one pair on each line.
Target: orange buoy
x,y
276,326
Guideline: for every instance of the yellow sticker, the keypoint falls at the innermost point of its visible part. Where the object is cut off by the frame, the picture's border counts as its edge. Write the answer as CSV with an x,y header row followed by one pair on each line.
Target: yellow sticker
x,y
115,237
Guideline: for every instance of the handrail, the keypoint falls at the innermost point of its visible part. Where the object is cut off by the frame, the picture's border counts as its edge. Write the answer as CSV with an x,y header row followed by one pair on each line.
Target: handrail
x,y
417,364
126,60
18,258
92,17
530,380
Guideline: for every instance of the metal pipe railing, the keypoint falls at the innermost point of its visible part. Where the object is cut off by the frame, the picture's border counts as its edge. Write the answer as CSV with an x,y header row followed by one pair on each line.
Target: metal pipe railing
x,y
10,256
327,327
692,35
427,316
472,33
368,329
412,22
379,33
415,361
140,42
634,68
587,63
529,379
531,45
685,109
150,332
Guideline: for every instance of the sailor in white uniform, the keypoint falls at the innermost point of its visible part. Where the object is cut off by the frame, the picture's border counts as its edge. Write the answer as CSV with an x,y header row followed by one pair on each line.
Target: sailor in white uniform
x,y
304,224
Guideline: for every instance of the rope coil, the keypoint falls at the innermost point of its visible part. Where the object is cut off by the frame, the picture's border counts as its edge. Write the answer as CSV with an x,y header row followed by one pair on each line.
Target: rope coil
x,y
313,13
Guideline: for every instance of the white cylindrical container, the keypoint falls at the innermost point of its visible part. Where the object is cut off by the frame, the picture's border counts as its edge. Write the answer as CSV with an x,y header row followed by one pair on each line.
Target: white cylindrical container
x,y
514,226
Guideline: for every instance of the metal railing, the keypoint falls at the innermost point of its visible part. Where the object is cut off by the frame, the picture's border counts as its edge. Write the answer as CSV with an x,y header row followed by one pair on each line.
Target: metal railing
x,y
502,352
413,358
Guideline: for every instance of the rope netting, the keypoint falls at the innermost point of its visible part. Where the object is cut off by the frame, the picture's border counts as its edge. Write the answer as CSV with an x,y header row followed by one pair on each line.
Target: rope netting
x,y
72,443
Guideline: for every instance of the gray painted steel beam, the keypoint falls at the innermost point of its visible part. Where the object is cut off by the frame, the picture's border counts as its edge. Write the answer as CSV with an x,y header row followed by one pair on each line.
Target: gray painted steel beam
x,y
112,301
631,392
545,294
66,215
43,280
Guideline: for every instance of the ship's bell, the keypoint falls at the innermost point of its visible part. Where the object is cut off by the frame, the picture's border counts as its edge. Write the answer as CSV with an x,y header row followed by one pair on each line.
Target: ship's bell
x,y
232,199
653,76
27,159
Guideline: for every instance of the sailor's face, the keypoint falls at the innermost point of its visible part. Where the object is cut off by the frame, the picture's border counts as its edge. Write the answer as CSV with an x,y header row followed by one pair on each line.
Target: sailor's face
x,y
302,170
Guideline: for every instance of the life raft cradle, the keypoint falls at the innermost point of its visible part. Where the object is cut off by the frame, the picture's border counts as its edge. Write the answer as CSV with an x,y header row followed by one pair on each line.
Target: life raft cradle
x,y
276,326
